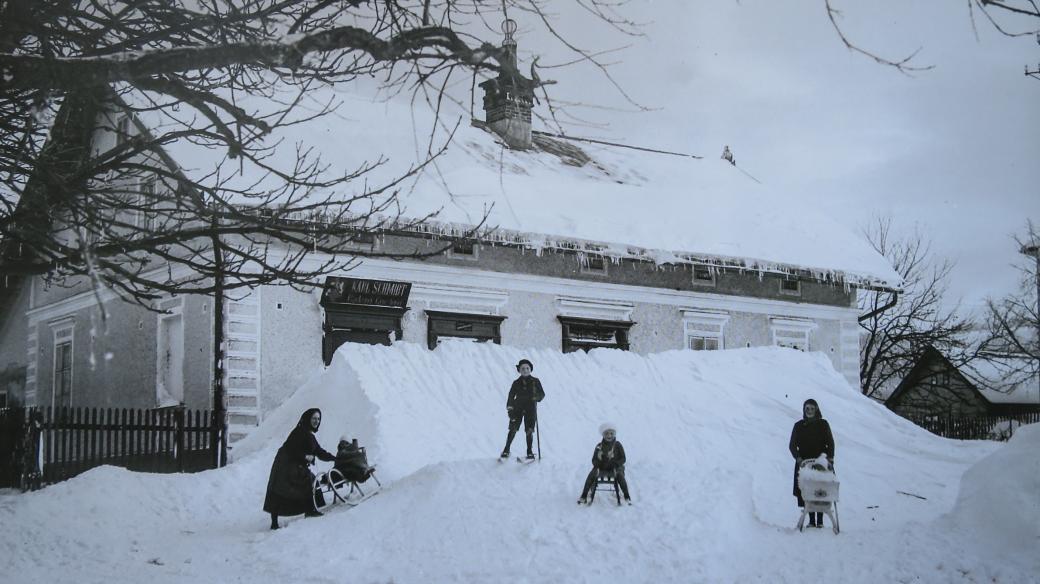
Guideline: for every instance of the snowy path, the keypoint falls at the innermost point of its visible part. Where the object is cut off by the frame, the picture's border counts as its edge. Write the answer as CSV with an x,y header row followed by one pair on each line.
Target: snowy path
x,y
710,483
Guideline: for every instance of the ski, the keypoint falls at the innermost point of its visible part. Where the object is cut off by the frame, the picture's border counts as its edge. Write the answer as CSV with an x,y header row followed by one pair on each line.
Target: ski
x,y
525,460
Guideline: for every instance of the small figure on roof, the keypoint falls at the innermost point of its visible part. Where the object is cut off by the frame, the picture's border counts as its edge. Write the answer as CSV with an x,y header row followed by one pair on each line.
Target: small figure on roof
x,y
728,156
810,437
522,404
290,487
352,461
608,460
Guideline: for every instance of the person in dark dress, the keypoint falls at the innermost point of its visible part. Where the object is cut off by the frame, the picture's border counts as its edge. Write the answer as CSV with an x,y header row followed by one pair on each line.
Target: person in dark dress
x,y
290,488
810,437
522,405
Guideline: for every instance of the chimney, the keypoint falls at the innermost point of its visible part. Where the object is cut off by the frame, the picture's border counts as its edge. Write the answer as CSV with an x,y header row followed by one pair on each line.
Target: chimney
x,y
509,97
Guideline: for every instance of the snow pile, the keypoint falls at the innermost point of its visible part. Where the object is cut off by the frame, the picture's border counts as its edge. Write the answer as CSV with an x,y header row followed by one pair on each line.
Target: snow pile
x,y
999,498
706,437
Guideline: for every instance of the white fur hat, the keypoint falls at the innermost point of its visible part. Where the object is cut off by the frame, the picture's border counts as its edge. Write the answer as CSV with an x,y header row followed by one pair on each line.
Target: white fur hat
x,y
607,426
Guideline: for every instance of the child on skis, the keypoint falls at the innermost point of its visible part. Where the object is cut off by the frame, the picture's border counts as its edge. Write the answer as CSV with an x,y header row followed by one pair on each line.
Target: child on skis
x,y
522,404
607,458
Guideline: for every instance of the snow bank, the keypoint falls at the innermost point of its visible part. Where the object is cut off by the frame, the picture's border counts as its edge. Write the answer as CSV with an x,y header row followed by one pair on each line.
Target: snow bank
x,y
706,435
999,498
728,410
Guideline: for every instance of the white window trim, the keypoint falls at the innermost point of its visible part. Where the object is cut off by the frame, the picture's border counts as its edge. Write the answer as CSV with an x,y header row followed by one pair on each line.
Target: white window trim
x,y
460,299
58,328
796,325
594,309
693,318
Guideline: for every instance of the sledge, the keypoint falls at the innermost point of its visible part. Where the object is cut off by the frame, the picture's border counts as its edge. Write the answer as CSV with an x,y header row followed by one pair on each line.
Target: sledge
x,y
819,487
333,487
606,481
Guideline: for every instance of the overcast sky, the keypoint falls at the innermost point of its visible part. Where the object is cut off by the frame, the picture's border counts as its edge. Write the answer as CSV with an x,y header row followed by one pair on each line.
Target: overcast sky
x,y
952,152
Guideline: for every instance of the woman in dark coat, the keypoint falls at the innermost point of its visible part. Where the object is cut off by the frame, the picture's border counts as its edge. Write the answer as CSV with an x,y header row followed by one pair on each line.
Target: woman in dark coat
x,y
810,437
290,488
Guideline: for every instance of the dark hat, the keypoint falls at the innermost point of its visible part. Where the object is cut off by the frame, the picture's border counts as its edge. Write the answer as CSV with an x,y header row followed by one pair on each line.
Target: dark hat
x,y
525,362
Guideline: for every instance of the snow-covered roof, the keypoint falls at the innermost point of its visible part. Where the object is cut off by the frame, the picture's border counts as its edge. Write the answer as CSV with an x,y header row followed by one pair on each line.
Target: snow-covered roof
x,y
1005,382
619,201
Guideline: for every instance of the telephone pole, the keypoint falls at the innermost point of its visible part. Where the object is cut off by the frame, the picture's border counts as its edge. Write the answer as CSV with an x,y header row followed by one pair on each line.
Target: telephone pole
x,y
1034,250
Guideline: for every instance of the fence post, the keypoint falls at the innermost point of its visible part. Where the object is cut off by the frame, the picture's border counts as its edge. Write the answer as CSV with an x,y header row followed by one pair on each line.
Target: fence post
x,y
178,440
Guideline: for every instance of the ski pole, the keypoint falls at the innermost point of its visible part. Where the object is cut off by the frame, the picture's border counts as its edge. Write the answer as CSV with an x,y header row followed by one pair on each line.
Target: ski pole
x,y
538,438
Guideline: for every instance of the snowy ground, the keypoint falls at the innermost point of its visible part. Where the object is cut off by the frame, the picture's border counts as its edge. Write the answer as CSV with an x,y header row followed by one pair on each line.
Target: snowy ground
x,y
706,435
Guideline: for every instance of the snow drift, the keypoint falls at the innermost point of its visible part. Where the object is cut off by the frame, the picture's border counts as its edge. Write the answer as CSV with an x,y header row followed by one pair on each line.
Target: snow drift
x,y
706,435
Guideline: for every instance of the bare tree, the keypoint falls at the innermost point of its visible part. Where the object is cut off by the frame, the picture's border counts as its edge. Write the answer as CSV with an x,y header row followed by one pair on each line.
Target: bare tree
x,y
1012,18
225,76
1011,346
894,339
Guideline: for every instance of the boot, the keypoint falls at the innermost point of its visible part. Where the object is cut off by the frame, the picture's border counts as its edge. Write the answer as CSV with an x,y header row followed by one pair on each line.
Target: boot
x,y
819,520
274,521
530,445
812,520
509,442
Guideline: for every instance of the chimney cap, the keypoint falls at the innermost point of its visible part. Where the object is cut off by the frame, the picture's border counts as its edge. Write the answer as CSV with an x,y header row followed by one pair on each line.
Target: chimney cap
x,y
508,28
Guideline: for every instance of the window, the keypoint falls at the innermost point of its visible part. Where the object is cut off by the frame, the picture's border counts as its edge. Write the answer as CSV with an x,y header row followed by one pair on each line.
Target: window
x,y
478,328
790,287
122,130
703,276
583,334
362,311
703,330
593,263
63,352
464,249
145,218
792,333
699,343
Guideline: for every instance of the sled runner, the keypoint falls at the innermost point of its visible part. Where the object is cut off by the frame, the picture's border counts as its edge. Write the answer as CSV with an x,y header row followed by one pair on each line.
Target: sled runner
x,y
606,481
819,488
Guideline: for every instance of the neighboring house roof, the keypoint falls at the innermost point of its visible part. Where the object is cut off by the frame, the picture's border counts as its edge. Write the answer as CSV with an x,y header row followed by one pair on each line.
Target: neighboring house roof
x,y
985,389
561,194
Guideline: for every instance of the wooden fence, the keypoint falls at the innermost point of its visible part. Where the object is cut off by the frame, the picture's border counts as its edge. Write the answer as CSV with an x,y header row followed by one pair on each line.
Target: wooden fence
x,y
47,445
975,427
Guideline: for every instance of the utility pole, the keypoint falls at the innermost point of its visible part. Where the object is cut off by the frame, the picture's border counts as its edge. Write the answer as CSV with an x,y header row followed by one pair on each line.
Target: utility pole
x,y
1034,250
220,416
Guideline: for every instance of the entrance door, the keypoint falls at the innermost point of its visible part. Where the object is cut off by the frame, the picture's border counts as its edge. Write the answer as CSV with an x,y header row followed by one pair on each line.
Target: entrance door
x,y
170,388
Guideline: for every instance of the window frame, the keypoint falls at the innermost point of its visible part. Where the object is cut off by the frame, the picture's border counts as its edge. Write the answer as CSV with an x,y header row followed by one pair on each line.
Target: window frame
x,y
699,324
63,335
620,328
585,266
122,130
474,326
454,254
790,328
785,292
710,282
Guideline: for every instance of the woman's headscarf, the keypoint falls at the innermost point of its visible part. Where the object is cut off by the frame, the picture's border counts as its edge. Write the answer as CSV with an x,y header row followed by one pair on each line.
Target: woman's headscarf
x,y
305,419
819,414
